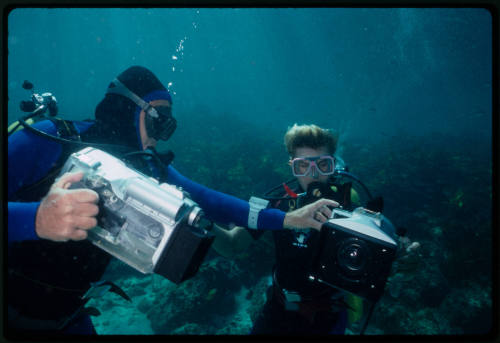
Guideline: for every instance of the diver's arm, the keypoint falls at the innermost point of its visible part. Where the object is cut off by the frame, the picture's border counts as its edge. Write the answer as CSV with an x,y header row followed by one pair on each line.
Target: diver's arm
x,y
224,208
229,243
21,221
62,215
29,159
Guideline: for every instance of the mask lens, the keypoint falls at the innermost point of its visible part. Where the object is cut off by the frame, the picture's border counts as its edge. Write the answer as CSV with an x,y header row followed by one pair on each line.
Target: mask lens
x,y
165,111
163,126
300,166
325,165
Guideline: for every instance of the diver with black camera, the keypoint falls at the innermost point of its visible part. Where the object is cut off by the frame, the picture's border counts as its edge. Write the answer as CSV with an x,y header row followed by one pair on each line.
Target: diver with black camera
x,y
323,280
82,191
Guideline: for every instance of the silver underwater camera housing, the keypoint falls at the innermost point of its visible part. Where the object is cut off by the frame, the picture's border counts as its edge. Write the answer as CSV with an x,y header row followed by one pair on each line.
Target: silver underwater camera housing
x,y
356,252
155,228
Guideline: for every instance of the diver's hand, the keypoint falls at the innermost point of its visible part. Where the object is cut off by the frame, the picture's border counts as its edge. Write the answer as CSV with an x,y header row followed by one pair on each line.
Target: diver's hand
x,y
310,216
66,214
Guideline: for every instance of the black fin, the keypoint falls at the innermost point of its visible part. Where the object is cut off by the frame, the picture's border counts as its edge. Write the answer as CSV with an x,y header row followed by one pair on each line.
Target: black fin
x,y
118,290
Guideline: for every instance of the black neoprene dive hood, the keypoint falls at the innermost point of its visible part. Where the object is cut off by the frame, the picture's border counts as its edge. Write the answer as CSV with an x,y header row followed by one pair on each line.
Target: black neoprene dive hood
x,y
117,113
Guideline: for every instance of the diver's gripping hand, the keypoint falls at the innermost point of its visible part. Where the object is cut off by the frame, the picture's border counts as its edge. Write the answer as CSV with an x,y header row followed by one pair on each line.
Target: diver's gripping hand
x,y
310,216
66,214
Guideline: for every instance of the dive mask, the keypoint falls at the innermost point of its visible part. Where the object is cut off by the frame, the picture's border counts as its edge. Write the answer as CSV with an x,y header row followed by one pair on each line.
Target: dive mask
x,y
160,124
303,166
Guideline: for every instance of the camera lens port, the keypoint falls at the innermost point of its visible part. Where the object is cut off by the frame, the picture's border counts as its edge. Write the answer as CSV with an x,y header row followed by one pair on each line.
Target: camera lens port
x,y
353,256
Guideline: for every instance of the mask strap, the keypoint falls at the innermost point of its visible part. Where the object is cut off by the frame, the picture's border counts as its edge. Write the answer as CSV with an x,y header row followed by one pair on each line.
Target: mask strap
x,y
120,89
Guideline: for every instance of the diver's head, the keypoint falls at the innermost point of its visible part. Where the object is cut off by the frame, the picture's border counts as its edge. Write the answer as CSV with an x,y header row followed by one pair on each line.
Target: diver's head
x,y
136,109
311,151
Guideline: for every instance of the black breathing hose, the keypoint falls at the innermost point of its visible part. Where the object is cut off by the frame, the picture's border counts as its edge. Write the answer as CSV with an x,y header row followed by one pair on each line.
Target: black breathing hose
x,y
61,140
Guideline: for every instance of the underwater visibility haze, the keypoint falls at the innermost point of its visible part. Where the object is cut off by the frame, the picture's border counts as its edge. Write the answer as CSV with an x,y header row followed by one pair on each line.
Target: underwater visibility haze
x,y
408,90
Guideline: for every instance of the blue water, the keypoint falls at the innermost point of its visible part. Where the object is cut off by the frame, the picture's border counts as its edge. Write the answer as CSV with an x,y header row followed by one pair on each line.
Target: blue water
x,y
370,71
409,90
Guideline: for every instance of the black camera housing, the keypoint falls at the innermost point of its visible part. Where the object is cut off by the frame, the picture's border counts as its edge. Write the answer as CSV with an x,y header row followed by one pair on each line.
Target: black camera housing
x,y
356,252
185,251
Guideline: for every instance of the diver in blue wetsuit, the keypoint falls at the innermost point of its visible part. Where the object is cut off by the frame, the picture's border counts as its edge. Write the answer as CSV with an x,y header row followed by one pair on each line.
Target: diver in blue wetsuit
x,y
50,263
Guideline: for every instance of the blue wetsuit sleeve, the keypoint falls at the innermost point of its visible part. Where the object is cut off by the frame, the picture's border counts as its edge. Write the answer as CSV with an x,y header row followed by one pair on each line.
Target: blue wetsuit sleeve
x,y
224,208
30,158
22,221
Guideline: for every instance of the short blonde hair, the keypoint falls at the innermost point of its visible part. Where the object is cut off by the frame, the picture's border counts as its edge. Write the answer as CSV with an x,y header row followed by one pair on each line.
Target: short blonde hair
x,y
311,136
